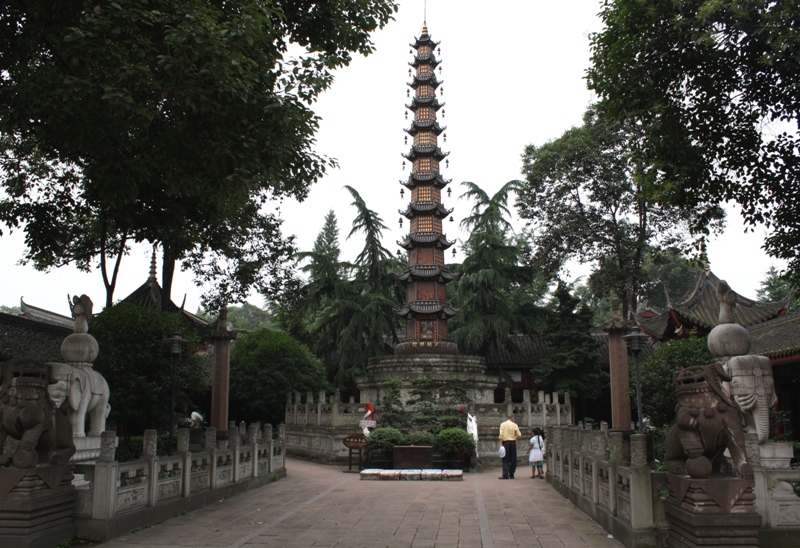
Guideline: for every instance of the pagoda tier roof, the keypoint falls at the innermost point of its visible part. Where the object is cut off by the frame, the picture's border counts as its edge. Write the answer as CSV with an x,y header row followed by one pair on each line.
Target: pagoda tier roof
x,y
699,308
426,272
426,308
429,59
424,39
429,79
415,208
425,151
417,178
425,125
427,101
424,239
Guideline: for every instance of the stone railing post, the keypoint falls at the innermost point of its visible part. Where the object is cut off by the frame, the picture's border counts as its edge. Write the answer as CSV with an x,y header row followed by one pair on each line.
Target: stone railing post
x,y
557,403
336,409
252,441
281,431
616,447
234,442
542,408
287,416
526,402
150,453
210,445
242,429
104,483
598,454
268,442
641,485
183,450
508,402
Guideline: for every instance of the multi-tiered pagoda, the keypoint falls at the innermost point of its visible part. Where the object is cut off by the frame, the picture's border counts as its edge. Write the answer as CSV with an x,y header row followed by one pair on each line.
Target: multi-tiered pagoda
x,y
426,310
426,354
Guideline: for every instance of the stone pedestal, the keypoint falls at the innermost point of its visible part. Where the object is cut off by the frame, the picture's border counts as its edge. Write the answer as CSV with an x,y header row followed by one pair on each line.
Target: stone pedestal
x,y
718,511
776,456
36,506
87,449
471,370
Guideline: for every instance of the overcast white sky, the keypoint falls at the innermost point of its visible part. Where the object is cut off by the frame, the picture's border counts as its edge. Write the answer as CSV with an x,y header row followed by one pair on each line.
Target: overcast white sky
x,y
513,73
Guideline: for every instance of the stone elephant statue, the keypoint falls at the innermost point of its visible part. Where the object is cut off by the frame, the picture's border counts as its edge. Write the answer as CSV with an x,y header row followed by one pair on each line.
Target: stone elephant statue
x,y
86,393
753,388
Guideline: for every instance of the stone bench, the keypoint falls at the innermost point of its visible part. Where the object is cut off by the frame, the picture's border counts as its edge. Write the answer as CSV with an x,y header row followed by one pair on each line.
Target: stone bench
x,y
375,474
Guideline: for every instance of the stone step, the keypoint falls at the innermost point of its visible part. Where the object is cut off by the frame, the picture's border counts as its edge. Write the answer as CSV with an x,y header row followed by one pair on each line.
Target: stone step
x,y
374,474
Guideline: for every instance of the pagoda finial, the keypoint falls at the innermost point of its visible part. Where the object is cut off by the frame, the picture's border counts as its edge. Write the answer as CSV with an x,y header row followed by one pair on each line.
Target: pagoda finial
x,y
153,264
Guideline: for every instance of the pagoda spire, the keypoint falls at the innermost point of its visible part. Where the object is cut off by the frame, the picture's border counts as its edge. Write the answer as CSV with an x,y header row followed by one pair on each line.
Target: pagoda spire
x,y
426,310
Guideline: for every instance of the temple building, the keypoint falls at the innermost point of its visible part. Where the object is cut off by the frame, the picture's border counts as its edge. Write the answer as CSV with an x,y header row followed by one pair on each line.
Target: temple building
x,y
698,312
426,310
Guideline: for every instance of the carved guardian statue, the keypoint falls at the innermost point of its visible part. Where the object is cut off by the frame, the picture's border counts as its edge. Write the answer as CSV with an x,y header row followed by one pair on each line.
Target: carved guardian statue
x,y
707,422
30,416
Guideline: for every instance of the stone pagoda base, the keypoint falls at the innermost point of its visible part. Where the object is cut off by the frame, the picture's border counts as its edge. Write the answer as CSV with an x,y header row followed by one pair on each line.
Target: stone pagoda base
x,y
408,368
718,511
36,506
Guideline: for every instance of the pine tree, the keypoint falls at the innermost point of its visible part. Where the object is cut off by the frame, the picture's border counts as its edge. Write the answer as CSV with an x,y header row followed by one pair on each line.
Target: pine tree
x,y
573,363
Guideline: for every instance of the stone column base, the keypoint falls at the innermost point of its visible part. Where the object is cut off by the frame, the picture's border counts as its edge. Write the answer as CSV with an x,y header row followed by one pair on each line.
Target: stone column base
x,y
36,506
719,511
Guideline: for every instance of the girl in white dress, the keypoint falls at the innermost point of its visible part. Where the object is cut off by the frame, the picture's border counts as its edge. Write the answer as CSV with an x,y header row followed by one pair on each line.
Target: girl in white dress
x,y
536,453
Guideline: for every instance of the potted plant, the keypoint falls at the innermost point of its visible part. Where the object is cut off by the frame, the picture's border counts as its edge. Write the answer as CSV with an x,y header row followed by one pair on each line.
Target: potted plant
x,y
455,445
380,443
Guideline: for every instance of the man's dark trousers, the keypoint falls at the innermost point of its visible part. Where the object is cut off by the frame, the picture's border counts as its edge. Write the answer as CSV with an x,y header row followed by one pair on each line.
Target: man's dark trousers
x,y
510,460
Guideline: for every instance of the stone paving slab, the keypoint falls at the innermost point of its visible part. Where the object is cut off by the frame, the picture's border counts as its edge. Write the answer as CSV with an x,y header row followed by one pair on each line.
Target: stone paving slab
x,y
319,506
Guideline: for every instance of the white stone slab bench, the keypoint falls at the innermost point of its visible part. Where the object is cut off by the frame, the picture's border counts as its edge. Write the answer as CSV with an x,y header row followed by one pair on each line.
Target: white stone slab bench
x,y
378,474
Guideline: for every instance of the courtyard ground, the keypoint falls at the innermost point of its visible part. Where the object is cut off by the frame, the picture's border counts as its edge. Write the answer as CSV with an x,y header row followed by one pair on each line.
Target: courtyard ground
x,y
320,506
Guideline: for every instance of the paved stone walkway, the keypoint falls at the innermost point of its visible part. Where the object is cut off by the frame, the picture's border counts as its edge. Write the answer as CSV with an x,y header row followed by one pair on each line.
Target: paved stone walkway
x,y
320,506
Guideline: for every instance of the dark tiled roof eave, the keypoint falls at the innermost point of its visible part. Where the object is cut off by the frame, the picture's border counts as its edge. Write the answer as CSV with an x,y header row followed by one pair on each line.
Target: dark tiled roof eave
x,y
777,338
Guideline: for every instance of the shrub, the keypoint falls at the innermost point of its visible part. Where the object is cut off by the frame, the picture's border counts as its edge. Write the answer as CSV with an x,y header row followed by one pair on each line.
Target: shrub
x,y
420,438
454,443
381,441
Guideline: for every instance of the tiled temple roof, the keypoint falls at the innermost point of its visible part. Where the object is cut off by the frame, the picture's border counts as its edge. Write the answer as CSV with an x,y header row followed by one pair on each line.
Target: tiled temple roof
x,y
778,338
26,338
45,316
700,308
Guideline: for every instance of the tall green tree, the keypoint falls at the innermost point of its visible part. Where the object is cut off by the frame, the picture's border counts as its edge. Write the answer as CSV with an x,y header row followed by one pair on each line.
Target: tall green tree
x,y
775,287
715,88
166,121
657,371
346,310
265,366
136,362
572,363
583,200
497,294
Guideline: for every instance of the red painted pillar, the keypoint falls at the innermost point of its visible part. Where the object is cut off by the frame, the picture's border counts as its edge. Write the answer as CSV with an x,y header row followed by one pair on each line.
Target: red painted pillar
x,y
616,327
222,336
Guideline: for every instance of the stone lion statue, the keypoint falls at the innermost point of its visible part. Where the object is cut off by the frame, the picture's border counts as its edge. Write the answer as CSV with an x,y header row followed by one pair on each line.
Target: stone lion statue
x,y
706,423
29,415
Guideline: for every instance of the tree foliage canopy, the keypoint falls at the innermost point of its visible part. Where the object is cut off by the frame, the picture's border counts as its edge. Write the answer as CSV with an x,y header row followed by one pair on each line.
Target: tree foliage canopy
x,y
572,363
656,373
345,310
498,294
166,121
136,362
265,366
715,88
583,199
